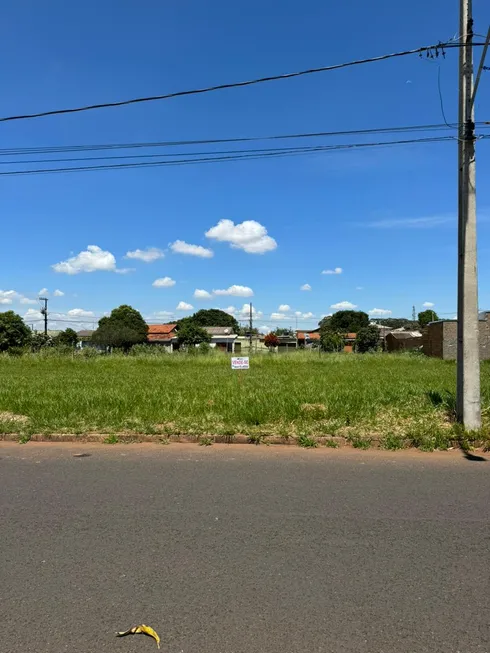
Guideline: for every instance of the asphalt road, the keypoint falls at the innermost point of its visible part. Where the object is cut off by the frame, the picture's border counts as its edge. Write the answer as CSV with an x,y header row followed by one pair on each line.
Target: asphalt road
x,y
231,549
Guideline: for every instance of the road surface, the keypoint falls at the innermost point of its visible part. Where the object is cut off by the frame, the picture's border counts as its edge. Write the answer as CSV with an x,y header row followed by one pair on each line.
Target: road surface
x,y
234,549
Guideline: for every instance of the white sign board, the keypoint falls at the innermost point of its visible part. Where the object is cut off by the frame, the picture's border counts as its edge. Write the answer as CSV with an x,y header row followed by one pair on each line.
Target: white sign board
x,y
240,363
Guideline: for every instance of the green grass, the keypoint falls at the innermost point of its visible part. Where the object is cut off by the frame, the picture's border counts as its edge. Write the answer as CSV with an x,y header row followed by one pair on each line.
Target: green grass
x,y
359,397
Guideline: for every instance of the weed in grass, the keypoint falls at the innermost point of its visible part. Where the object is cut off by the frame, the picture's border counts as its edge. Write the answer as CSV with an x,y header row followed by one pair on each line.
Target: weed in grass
x,y
393,442
111,439
256,438
205,441
24,438
333,444
307,442
359,441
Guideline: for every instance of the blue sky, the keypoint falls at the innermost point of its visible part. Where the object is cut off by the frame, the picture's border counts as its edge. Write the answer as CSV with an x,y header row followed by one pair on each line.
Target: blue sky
x,y
385,217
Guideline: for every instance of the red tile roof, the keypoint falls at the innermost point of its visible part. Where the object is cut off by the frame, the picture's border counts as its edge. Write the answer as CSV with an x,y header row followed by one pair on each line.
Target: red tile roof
x,y
312,335
159,332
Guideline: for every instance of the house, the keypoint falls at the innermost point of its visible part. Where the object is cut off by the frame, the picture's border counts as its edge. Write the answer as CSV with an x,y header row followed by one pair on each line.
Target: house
x,y
243,345
403,340
164,335
306,338
349,342
84,338
286,344
222,338
440,338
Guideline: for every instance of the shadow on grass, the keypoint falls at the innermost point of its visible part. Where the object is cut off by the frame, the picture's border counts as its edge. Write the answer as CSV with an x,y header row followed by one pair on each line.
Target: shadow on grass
x,y
445,400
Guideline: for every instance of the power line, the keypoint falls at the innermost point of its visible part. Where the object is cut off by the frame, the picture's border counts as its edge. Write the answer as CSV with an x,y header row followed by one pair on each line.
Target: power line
x,y
233,157
431,50
126,146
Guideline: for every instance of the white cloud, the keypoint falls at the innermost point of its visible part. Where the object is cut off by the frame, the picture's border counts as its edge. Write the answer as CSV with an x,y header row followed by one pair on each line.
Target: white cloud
x,y
199,293
334,271
181,247
250,236
245,311
264,329
163,314
305,286
79,312
92,259
235,291
284,308
164,282
428,305
278,316
303,315
231,310
379,312
10,296
33,314
43,291
343,306
58,293
359,287
426,222
147,255
184,306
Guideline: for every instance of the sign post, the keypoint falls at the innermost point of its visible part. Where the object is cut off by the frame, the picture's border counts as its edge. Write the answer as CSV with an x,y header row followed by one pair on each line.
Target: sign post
x,y
240,363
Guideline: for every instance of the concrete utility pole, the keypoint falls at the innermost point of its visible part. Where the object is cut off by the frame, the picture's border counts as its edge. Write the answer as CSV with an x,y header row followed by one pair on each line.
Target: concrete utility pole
x,y
44,311
468,400
251,327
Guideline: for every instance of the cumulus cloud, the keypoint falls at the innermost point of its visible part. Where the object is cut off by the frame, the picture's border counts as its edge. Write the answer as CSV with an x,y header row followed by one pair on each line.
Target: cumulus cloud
x,y
58,293
343,306
284,308
245,311
93,259
10,296
163,282
305,286
202,294
235,291
231,310
304,315
250,236
278,316
379,312
147,255
264,329
334,271
181,247
79,312
43,291
428,305
184,306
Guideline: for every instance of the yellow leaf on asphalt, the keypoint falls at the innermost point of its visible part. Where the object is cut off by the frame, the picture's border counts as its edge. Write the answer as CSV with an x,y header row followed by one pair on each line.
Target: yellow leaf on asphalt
x,y
144,630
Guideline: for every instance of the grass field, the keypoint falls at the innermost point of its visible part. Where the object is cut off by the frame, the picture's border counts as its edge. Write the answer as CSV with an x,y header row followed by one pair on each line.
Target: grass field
x,y
297,395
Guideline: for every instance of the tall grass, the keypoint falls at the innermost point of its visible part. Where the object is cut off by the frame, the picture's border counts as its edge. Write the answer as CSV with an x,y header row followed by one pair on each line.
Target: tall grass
x,y
300,393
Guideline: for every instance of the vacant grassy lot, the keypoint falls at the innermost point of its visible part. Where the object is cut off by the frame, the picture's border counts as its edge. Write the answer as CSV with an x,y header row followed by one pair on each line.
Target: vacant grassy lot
x,y
291,395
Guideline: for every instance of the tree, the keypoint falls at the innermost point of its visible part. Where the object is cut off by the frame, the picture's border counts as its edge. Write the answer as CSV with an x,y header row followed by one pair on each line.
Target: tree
x,y
13,331
124,328
66,338
398,322
427,316
345,322
330,341
271,340
207,317
367,339
284,332
190,334
40,341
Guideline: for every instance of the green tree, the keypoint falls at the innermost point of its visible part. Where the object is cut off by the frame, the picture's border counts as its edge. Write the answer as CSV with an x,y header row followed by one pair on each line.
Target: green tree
x,y
345,322
427,316
284,332
40,341
207,317
66,338
123,328
367,339
190,334
13,331
330,341
398,322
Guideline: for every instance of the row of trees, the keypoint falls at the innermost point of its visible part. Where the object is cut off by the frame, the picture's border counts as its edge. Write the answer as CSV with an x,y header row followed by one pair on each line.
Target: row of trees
x,y
15,334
